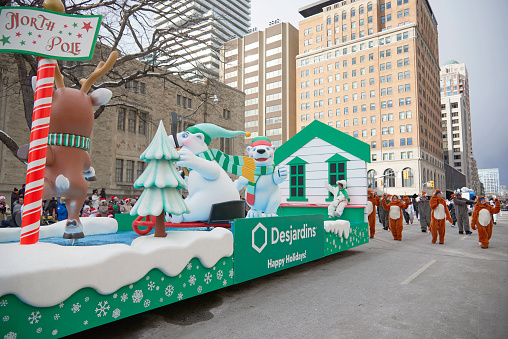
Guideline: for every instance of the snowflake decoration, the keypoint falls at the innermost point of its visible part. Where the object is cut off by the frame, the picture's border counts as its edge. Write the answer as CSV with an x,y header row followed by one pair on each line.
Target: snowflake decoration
x,y
102,309
180,296
86,299
3,302
162,279
220,274
39,330
179,276
184,285
151,286
208,277
137,296
75,308
146,303
225,282
231,273
192,280
34,317
214,268
55,332
85,322
124,297
115,296
131,286
56,316
61,305
10,335
200,289
157,288
169,290
189,266
147,278
6,318
197,267
224,263
116,313
161,299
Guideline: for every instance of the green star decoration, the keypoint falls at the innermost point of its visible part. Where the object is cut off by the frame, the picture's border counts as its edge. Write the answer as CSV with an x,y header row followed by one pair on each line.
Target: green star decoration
x,y
69,33
22,42
5,40
29,33
75,25
60,32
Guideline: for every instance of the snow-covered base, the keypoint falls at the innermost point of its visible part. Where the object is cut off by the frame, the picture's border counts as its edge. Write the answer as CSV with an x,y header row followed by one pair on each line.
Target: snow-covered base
x,y
335,236
45,274
91,226
339,227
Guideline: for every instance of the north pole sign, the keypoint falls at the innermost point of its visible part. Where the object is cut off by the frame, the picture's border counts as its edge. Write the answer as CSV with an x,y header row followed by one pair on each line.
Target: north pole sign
x,y
48,34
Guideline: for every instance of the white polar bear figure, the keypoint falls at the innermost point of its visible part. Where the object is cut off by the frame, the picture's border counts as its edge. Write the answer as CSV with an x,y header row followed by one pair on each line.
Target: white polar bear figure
x,y
263,195
207,182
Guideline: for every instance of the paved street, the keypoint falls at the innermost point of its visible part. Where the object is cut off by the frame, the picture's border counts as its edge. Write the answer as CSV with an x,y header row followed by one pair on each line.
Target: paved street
x,y
373,291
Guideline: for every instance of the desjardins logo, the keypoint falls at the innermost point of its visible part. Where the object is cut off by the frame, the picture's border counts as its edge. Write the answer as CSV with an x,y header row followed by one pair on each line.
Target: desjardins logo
x,y
260,235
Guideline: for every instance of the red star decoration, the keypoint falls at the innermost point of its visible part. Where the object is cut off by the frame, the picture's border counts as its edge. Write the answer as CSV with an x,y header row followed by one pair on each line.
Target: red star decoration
x,y
34,42
39,36
80,36
18,34
87,26
65,26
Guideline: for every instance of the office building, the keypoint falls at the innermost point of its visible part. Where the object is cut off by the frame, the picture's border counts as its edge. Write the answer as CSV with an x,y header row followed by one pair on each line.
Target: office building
x,y
262,64
197,55
371,69
490,180
456,118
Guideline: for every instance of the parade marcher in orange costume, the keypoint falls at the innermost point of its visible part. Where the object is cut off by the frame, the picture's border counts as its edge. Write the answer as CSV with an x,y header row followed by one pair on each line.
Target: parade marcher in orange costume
x,y
440,212
372,202
395,219
482,218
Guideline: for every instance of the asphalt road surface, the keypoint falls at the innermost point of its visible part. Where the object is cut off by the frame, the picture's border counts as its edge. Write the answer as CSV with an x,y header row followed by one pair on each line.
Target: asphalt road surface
x,y
384,289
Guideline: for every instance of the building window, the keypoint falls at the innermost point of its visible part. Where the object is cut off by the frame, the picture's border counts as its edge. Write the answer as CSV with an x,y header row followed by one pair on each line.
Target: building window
x,y
297,180
371,179
389,178
129,171
407,177
131,121
225,145
142,123
119,170
226,113
121,119
142,88
141,168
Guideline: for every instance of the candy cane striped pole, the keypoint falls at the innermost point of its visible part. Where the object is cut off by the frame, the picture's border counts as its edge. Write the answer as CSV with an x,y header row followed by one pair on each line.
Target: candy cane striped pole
x,y
37,152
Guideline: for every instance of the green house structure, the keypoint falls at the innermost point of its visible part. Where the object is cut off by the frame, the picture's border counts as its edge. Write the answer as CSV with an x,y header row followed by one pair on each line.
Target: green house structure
x,y
321,154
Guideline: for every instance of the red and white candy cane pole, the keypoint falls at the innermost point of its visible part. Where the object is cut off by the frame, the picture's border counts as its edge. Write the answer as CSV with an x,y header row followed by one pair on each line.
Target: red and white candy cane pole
x,y
37,152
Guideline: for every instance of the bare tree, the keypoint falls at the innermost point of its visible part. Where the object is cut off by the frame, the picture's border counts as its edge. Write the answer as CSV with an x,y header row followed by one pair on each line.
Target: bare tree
x,y
129,27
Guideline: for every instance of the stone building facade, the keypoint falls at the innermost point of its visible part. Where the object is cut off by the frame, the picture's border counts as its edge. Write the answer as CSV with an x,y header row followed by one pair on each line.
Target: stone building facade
x,y
127,125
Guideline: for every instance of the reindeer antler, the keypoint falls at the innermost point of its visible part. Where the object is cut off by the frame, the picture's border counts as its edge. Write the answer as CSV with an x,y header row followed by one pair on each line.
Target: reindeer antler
x,y
102,68
59,80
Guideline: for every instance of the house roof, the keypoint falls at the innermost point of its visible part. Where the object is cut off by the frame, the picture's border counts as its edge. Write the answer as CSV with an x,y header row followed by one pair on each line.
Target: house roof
x,y
317,129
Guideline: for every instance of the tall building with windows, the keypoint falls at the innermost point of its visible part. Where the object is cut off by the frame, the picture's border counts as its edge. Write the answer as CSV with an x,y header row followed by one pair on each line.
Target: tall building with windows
x,y
198,55
262,64
456,119
490,180
371,69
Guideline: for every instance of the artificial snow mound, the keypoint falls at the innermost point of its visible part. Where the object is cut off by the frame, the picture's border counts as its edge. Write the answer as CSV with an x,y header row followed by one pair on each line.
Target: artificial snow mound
x,y
44,274
339,227
91,226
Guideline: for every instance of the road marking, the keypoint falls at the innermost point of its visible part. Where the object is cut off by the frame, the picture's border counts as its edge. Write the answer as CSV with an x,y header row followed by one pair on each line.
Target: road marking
x,y
464,237
417,273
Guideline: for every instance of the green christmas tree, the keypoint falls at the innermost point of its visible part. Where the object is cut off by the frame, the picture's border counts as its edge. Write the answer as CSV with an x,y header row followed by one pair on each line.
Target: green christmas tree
x,y
160,181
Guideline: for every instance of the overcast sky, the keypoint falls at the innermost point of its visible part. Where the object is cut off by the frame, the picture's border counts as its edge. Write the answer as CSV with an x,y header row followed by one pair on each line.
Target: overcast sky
x,y
482,46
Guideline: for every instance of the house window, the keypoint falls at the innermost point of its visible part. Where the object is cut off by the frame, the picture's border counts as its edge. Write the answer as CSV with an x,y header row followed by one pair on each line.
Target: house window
x,y
337,170
371,179
297,180
121,119
129,171
389,178
119,170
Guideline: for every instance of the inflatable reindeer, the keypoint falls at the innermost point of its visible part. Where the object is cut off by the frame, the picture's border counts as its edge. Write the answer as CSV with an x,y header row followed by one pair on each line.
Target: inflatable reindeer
x,y
68,164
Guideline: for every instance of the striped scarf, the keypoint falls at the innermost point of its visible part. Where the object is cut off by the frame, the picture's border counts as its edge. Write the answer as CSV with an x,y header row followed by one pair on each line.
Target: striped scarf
x,y
238,165
69,140
251,186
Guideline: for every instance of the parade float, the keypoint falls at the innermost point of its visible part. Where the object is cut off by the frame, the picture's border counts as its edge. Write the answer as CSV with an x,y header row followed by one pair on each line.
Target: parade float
x,y
201,243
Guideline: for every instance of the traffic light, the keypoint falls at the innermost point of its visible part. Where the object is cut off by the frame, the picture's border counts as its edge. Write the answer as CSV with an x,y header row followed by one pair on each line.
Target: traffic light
x,y
432,184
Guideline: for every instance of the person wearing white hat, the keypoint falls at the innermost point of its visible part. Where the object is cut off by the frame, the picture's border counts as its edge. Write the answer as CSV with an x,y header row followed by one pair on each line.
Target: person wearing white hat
x,y
5,210
340,199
